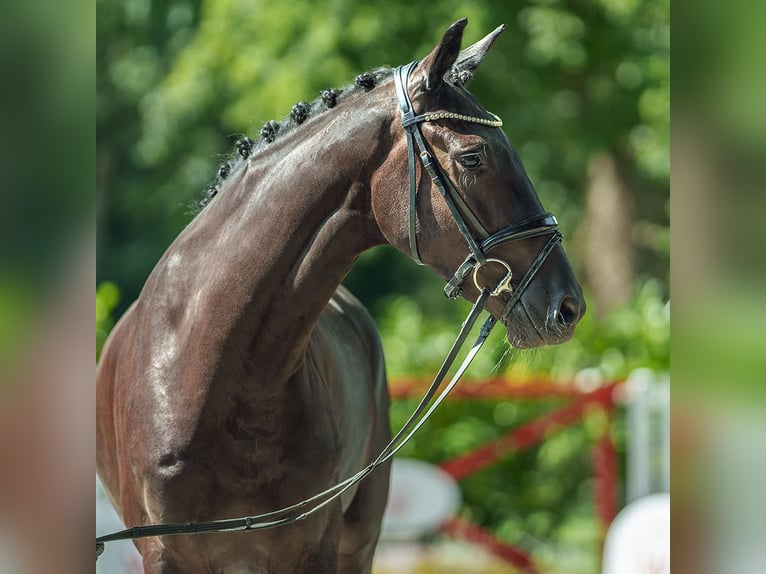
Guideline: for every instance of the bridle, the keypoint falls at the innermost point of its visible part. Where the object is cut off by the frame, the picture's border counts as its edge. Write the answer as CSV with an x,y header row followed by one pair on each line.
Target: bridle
x,y
465,219
535,226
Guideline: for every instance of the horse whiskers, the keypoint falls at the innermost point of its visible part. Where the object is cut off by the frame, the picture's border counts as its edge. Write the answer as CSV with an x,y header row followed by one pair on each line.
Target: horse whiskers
x,y
549,320
501,361
552,324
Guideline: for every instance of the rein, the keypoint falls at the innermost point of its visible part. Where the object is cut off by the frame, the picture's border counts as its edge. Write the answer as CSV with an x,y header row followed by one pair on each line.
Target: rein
x,y
532,227
309,506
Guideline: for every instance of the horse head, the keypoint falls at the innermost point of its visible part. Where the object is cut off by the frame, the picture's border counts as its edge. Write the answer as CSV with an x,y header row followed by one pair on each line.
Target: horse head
x,y
472,207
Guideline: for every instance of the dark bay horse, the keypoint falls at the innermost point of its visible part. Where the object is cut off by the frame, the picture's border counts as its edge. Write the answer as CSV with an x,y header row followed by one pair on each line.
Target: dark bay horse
x,y
244,379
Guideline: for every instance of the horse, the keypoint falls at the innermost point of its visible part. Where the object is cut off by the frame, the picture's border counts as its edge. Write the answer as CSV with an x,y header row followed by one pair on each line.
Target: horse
x,y
244,378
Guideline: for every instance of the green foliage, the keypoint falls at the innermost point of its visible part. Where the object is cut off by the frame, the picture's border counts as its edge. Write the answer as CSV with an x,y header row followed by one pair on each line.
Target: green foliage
x,y
107,298
538,499
633,336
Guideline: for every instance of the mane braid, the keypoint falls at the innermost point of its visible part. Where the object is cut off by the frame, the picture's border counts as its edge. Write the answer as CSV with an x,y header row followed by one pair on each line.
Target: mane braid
x,y
246,147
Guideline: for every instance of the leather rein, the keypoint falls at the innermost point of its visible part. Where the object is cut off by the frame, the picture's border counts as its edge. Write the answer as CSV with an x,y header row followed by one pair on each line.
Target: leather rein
x,y
464,217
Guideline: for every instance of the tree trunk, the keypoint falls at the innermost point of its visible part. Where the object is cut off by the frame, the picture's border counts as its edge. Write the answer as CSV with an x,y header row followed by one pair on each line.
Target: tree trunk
x,y
607,230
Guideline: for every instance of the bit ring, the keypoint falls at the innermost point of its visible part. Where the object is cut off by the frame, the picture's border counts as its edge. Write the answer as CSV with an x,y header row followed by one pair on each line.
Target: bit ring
x,y
505,283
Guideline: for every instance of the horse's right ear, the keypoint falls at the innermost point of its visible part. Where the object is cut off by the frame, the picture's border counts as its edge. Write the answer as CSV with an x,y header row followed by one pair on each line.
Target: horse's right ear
x,y
444,55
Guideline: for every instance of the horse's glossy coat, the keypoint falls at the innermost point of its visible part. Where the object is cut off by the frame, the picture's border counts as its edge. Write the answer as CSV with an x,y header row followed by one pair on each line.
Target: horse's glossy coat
x,y
244,379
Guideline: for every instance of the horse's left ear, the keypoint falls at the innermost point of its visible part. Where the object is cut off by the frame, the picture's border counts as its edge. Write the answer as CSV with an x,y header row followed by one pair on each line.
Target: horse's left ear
x,y
438,63
469,59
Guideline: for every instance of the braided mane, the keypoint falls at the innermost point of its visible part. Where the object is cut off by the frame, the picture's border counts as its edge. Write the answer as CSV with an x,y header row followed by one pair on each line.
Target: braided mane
x,y
274,130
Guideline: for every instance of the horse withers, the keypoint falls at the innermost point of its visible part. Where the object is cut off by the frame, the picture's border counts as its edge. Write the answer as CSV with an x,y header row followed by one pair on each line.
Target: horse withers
x,y
244,379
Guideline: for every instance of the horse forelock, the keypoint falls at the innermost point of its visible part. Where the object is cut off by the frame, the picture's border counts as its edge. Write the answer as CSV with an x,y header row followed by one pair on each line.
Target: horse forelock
x,y
246,147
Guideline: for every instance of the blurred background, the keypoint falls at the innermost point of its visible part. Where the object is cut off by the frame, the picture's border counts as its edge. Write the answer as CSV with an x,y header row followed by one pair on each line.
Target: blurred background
x,y
583,88
575,82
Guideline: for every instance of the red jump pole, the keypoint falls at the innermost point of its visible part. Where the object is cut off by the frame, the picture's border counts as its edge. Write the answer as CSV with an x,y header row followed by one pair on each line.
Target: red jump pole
x,y
465,530
605,481
526,435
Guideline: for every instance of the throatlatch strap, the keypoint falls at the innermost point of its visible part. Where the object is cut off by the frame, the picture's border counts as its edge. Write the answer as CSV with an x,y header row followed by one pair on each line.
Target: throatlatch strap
x,y
401,75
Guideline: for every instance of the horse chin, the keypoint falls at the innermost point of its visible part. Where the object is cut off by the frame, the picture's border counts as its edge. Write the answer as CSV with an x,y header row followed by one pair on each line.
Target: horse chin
x,y
522,336
523,332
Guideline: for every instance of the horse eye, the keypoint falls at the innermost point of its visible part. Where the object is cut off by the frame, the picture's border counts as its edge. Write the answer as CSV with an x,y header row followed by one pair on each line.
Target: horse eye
x,y
470,160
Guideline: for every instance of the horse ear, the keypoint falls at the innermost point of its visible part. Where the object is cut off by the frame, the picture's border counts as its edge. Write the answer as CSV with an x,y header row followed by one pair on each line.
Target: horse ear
x,y
470,58
444,55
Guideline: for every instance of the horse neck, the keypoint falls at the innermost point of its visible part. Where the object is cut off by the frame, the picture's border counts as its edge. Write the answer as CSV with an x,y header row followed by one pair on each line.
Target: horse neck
x,y
264,258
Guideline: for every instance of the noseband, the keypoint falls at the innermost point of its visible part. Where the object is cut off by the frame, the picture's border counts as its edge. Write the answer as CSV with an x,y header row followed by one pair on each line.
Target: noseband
x,y
465,219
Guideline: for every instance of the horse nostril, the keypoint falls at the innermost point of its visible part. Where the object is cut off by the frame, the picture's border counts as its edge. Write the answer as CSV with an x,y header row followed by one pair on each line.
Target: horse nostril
x,y
569,311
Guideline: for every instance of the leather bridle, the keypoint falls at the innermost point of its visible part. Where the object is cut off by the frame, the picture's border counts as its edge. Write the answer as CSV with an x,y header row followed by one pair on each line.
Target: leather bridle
x,y
465,219
542,224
